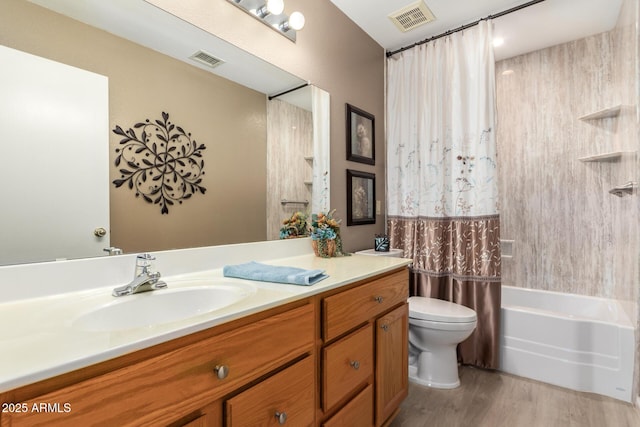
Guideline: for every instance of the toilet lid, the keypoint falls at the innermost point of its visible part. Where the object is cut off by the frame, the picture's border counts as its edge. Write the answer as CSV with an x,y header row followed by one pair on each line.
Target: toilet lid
x,y
438,310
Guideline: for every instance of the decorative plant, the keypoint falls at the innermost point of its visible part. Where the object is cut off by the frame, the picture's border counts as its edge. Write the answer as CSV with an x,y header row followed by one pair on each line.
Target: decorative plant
x,y
296,226
163,164
326,231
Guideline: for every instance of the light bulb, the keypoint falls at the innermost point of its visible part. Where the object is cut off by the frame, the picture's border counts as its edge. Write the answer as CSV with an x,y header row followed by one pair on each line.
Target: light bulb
x,y
275,7
296,21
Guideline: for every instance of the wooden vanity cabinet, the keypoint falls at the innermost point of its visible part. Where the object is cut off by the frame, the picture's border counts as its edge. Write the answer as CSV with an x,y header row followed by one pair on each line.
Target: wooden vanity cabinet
x,y
338,358
367,326
181,386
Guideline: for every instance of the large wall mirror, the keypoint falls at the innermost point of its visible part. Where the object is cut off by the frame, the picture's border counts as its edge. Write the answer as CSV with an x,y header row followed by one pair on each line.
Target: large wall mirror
x,y
266,155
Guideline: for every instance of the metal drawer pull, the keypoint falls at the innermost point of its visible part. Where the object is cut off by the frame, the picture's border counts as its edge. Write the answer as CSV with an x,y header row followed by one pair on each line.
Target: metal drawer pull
x,y
221,371
384,327
378,299
281,417
355,364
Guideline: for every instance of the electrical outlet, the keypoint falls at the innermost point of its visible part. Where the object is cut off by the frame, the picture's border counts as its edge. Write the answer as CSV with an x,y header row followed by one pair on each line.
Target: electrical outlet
x,y
378,210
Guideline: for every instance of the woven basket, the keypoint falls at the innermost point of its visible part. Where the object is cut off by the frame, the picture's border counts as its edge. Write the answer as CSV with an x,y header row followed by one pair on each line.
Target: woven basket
x,y
328,248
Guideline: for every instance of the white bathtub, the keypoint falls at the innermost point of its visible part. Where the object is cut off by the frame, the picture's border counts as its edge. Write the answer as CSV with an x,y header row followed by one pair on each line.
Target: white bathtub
x,y
573,341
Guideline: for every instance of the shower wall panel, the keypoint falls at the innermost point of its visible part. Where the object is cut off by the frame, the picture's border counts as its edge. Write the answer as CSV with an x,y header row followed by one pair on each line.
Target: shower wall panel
x,y
570,234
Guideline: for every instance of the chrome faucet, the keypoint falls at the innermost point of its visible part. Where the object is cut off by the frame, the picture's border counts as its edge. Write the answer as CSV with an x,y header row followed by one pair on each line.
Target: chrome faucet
x,y
144,278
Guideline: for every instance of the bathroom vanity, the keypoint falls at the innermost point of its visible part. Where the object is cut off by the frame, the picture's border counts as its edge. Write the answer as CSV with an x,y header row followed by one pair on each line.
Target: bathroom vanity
x,y
330,354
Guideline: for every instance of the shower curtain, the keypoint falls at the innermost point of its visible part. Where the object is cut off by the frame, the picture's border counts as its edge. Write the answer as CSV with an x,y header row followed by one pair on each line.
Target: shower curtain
x,y
442,178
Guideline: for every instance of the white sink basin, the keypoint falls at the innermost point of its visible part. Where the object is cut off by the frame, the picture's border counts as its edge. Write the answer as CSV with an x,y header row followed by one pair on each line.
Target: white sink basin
x,y
162,306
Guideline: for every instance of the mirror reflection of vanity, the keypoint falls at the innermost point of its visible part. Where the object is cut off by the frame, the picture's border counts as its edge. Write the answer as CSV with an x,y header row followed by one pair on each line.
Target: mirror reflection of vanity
x,y
229,118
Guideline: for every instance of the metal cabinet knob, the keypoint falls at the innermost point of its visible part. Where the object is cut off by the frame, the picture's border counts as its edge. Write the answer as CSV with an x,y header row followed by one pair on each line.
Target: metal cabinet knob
x,y
221,371
384,327
378,299
281,417
355,364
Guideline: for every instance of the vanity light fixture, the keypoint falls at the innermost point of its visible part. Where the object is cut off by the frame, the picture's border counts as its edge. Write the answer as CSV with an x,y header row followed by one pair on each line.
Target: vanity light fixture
x,y
275,7
271,13
295,22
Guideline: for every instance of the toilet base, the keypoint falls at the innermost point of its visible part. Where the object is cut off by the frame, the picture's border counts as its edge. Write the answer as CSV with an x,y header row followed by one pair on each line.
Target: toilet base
x,y
414,378
437,369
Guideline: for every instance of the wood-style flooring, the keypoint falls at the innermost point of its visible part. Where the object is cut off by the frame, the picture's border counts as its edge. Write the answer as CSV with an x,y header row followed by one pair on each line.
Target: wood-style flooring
x,y
495,399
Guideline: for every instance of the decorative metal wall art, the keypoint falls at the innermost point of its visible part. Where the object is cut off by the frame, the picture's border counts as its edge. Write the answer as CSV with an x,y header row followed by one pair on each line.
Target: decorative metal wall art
x,y
164,164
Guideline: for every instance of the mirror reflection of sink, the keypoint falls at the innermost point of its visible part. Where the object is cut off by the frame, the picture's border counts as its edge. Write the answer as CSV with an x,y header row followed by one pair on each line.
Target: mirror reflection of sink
x,y
162,306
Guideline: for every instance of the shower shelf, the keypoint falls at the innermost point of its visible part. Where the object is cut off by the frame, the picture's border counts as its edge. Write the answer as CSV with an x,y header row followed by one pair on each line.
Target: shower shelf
x,y
308,158
602,114
605,157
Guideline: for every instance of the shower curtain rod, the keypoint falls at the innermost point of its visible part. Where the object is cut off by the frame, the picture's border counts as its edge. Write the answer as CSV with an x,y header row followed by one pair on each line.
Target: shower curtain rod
x,y
464,27
288,91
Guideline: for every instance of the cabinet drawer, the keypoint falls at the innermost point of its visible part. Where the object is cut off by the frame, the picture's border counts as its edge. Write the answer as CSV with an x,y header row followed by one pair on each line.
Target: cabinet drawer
x,y
357,413
346,364
181,380
348,309
288,394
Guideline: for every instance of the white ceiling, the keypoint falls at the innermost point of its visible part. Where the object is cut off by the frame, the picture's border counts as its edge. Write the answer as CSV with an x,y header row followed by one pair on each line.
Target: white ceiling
x,y
535,27
545,24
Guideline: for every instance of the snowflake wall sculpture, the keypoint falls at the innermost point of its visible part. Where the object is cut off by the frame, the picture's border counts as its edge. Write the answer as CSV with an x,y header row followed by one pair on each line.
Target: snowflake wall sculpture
x,y
163,165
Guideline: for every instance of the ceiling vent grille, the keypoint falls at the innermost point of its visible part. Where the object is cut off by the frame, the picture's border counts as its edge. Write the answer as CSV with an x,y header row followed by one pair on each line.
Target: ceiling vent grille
x,y
412,16
206,59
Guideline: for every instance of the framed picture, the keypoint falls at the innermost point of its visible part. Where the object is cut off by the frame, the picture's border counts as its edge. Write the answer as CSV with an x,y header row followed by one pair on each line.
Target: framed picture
x,y
361,139
361,198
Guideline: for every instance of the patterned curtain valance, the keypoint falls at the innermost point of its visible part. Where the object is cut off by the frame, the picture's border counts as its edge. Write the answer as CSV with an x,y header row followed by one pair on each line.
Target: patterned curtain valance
x,y
466,248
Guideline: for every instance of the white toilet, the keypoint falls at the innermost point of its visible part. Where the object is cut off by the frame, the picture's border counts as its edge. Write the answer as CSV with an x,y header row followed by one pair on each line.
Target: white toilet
x,y
436,327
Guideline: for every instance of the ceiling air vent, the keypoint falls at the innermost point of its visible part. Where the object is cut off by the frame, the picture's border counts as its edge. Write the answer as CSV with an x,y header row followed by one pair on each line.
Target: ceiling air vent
x,y
206,59
412,16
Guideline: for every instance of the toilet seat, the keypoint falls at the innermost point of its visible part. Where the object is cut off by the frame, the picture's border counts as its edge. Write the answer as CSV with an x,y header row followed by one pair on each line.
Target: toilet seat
x,y
443,326
439,311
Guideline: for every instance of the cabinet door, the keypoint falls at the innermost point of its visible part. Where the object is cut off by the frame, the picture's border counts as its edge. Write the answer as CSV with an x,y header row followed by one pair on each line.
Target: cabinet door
x,y
391,362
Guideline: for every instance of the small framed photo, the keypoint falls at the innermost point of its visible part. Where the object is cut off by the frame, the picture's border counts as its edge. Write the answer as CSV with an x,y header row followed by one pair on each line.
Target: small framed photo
x,y
361,198
361,140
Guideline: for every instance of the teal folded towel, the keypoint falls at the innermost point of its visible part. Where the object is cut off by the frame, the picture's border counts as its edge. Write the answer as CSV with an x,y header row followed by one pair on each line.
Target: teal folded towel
x,y
273,273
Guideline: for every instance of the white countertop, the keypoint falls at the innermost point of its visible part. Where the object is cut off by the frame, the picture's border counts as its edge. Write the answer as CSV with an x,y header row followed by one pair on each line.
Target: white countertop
x,y
38,340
